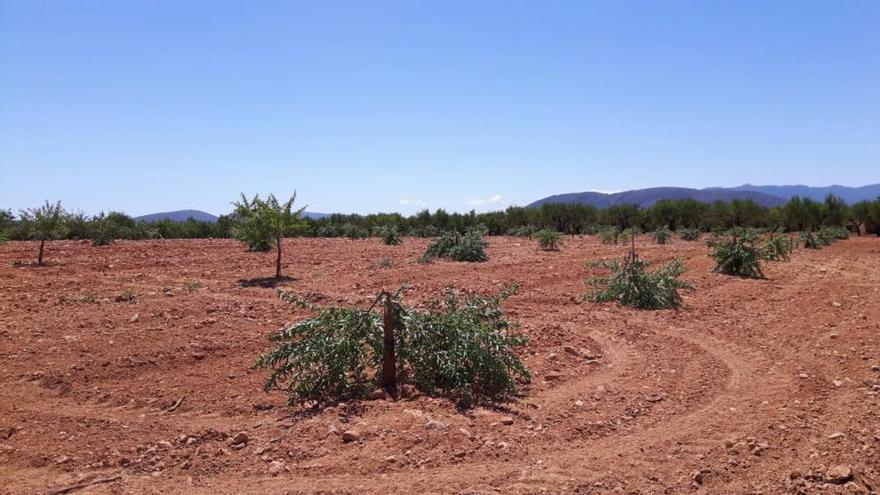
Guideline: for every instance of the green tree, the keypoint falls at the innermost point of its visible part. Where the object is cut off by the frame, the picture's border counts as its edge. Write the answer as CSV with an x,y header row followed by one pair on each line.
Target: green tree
x,y
43,224
269,218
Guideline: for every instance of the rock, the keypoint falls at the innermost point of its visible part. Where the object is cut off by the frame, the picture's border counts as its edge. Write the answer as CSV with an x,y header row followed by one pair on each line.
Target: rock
x,y
700,476
378,394
654,398
578,403
466,432
836,435
164,444
836,304
571,350
134,318
507,420
553,376
275,468
433,424
838,475
240,438
503,445
351,436
837,383
803,376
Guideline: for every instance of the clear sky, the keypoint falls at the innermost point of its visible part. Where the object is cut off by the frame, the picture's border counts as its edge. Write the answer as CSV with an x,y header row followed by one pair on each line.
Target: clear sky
x,y
365,106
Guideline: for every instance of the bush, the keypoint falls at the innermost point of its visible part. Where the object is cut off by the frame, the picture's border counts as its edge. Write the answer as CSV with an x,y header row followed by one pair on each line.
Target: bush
x,y
461,348
738,255
631,285
627,234
390,236
548,240
524,231
609,235
778,247
690,234
662,235
811,241
468,247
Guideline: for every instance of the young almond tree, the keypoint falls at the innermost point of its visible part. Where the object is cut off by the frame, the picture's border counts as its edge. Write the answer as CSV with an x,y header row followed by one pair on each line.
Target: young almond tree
x,y
43,224
267,221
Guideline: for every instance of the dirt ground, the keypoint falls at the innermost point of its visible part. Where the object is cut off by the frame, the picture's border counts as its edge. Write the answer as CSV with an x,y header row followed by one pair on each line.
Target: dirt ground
x,y
753,387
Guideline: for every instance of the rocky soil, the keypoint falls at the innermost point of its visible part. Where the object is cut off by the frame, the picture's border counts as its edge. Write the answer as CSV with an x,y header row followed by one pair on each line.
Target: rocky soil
x,y
128,369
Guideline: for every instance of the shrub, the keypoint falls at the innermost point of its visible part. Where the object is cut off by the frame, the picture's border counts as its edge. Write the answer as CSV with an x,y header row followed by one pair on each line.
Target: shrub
x,y
690,234
462,348
738,255
524,231
631,285
43,223
390,236
353,231
627,235
261,221
548,240
662,235
811,241
609,235
468,247
778,247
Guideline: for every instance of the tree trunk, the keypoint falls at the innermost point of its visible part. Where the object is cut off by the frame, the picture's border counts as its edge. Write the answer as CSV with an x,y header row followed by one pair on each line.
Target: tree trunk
x,y
40,256
278,258
389,360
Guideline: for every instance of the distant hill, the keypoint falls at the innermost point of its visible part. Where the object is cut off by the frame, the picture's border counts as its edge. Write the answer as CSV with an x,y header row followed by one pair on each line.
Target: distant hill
x,y
848,194
184,215
647,197
178,216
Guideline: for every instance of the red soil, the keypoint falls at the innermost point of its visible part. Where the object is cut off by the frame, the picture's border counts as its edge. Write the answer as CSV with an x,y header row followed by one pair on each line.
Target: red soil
x,y
755,386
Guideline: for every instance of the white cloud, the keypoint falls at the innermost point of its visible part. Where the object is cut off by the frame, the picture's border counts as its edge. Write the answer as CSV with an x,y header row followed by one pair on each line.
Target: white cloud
x,y
415,202
492,200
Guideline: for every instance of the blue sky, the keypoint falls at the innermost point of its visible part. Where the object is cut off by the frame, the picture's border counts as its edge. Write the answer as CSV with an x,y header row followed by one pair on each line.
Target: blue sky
x,y
393,106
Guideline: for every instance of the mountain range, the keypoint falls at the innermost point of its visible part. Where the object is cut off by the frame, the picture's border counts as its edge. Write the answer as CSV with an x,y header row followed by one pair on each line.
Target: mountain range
x,y
762,195
201,216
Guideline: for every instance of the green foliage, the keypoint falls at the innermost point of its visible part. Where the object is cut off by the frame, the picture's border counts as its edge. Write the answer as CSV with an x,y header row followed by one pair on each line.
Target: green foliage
x,y
738,255
627,234
778,247
662,235
468,247
548,240
45,222
390,236
522,231
261,221
461,348
811,241
831,234
688,234
609,235
631,285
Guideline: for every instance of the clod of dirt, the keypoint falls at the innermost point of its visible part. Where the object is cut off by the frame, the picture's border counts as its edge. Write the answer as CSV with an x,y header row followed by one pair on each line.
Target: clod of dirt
x,y
433,424
838,475
240,438
351,436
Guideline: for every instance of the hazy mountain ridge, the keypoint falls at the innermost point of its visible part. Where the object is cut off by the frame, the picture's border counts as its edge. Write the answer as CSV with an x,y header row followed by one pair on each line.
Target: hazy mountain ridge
x,y
647,197
762,195
201,216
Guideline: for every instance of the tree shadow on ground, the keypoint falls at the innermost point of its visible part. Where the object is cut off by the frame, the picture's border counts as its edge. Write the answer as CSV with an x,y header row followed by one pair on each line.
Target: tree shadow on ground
x,y
265,282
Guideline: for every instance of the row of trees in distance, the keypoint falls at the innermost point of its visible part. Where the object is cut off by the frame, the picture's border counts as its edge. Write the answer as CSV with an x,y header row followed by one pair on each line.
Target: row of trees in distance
x,y
798,214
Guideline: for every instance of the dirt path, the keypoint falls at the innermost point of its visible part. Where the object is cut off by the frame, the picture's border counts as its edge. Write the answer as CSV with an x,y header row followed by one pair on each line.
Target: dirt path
x,y
753,387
